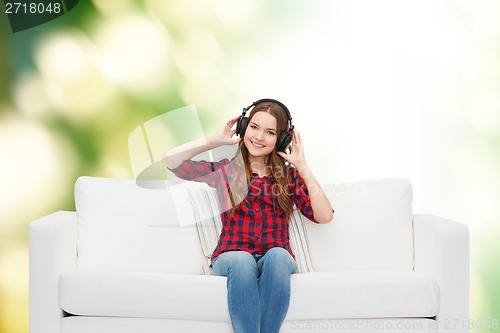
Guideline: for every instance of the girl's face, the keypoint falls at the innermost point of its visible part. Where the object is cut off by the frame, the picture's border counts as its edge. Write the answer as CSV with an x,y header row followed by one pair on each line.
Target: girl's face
x,y
261,134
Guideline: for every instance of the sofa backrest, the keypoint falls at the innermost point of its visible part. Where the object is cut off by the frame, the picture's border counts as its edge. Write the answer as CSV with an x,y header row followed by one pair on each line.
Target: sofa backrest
x,y
123,226
126,227
372,227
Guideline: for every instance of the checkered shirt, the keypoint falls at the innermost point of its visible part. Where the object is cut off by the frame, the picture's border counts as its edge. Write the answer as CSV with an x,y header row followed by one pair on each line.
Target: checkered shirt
x,y
259,223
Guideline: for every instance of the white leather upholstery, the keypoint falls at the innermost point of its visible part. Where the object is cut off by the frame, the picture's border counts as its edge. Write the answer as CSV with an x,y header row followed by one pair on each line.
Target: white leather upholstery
x,y
334,295
78,324
129,228
125,254
140,325
148,295
53,246
442,252
363,294
372,228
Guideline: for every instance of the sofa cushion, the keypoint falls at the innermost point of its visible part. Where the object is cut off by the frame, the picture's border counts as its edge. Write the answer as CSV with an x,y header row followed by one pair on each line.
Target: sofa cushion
x,y
363,294
332,295
144,295
372,228
122,226
84,324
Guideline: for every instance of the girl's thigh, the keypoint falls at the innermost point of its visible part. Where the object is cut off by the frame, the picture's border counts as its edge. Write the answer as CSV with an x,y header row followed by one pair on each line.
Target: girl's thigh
x,y
234,261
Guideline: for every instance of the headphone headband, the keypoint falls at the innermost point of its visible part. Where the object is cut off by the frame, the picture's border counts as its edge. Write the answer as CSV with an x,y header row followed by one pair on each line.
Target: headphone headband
x,y
284,139
270,100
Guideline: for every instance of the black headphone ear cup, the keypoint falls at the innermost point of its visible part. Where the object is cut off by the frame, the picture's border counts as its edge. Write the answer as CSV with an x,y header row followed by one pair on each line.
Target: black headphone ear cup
x,y
241,126
284,141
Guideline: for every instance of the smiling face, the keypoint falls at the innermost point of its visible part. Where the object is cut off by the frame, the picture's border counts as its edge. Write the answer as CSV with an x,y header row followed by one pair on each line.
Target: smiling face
x,y
261,135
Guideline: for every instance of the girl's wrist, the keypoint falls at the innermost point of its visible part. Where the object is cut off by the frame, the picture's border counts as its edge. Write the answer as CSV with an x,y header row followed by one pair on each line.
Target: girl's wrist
x,y
303,169
210,142
213,141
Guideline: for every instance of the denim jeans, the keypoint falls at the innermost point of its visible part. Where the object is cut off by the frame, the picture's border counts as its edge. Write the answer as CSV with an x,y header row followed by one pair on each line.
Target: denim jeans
x,y
258,288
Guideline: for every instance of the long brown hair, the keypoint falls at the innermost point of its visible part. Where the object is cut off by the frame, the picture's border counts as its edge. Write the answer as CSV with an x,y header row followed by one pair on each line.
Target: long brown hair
x,y
238,187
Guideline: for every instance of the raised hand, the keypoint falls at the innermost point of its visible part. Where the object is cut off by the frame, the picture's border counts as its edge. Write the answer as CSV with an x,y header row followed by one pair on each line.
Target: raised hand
x,y
224,136
175,156
296,156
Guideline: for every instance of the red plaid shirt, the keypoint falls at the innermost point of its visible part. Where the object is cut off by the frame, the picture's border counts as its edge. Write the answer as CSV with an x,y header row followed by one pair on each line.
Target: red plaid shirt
x,y
259,223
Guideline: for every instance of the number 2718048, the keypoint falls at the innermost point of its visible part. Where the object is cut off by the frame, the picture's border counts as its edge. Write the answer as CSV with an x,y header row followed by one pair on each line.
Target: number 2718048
x,y
32,8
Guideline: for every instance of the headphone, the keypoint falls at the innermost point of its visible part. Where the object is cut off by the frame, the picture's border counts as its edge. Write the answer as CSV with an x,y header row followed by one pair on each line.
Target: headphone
x,y
284,139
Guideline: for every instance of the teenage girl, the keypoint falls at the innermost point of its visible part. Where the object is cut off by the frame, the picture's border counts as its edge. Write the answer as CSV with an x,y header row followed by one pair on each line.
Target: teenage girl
x,y
257,190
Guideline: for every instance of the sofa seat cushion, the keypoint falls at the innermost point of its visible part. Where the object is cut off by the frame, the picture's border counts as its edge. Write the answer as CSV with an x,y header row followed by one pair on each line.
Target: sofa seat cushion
x,y
363,294
330,295
144,295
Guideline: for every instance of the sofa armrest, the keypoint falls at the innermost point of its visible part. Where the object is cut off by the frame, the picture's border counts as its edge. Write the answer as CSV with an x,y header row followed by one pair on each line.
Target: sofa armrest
x,y
442,250
53,248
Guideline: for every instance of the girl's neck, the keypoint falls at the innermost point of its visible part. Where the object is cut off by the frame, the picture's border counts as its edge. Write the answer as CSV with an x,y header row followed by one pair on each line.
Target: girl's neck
x,y
259,166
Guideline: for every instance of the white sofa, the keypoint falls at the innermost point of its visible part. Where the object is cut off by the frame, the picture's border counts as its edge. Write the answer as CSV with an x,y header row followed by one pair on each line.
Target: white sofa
x,y
127,261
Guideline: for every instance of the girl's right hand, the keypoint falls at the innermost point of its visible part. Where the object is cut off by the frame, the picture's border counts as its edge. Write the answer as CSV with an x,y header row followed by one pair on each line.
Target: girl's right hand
x,y
224,136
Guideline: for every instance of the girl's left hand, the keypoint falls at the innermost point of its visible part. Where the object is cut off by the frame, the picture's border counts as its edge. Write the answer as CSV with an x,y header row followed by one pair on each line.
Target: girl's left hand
x,y
296,156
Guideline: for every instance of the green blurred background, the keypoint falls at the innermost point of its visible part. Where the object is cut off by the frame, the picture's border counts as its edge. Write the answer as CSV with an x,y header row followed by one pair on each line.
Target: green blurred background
x,y
377,88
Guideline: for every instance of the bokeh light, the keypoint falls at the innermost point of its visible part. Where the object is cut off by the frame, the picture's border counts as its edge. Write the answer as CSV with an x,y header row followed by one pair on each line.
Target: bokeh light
x,y
76,86
36,166
31,95
35,163
134,49
14,287
236,14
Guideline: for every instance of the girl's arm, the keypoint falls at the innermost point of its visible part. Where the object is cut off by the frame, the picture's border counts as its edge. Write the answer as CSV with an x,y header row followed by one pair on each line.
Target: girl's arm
x,y
322,209
174,157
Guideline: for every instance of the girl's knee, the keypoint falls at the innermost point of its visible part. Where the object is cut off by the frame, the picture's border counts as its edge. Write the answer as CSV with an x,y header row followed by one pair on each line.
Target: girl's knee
x,y
279,258
279,253
241,259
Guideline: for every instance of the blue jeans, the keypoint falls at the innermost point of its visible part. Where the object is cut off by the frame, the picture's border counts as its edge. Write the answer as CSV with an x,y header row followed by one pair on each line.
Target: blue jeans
x,y
258,288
